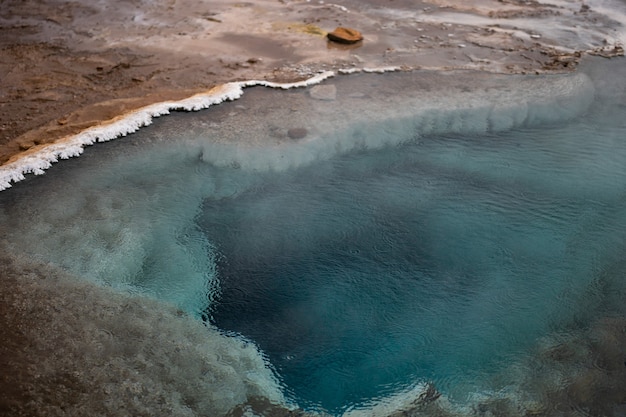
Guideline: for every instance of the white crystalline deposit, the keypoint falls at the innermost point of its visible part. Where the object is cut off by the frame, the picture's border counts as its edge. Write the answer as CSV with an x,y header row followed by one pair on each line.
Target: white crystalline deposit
x,y
526,101
42,158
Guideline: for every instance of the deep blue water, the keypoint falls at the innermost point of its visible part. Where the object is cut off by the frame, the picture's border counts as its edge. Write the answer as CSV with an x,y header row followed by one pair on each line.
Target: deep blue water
x,y
435,261
440,248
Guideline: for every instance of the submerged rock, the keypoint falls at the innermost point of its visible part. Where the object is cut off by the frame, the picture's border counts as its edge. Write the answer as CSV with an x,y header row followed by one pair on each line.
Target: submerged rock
x,y
297,132
429,395
345,35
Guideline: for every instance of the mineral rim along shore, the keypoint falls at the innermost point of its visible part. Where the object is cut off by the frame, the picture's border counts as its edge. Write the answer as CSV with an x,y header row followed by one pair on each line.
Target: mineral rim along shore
x,y
68,66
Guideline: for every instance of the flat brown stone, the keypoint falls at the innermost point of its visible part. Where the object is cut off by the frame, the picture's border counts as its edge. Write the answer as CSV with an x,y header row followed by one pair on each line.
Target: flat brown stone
x,y
345,35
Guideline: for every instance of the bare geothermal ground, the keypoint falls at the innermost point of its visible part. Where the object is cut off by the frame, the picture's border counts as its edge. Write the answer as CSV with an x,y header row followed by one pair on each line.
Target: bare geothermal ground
x,y
68,65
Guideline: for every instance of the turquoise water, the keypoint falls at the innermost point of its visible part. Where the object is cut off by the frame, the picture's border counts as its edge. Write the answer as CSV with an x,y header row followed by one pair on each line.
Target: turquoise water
x,y
436,244
438,261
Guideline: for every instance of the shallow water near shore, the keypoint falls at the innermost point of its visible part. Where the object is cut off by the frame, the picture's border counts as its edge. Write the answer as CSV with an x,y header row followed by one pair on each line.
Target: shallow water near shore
x,y
429,230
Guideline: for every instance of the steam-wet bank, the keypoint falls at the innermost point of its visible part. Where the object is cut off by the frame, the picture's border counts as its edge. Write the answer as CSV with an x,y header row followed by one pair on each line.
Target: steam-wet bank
x,y
136,222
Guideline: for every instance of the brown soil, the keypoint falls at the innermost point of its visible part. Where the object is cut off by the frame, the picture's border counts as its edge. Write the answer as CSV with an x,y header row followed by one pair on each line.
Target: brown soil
x,y
69,65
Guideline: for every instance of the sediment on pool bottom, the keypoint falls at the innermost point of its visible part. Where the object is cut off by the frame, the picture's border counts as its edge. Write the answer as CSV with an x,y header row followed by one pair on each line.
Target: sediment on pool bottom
x,y
579,373
74,348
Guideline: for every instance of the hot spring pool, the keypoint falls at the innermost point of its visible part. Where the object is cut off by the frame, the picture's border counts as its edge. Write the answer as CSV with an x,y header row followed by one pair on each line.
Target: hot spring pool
x,y
432,241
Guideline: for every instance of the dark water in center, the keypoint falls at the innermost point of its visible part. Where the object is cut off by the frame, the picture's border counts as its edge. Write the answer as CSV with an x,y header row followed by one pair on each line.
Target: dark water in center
x,y
437,261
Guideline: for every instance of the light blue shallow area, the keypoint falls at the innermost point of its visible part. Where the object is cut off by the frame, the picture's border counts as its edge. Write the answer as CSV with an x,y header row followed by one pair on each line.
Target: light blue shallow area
x,y
438,257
